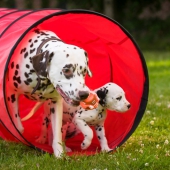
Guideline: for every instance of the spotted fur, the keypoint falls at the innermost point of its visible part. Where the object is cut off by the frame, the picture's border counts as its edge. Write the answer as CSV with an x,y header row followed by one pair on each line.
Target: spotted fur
x,y
77,119
35,70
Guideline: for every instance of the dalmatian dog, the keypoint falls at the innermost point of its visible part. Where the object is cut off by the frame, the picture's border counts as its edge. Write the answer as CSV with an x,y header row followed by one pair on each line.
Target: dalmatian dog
x,y
76,119
44,68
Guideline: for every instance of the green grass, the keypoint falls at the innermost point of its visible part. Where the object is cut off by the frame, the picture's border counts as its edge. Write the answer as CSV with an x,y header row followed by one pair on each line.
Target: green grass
x,y
148,147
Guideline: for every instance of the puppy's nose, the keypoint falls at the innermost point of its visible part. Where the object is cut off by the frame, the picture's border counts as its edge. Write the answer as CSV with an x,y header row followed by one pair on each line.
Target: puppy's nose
x,y
83,94
128,106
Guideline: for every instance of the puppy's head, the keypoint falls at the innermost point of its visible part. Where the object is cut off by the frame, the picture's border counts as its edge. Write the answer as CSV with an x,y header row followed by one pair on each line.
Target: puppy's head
x,y
66,67
113,98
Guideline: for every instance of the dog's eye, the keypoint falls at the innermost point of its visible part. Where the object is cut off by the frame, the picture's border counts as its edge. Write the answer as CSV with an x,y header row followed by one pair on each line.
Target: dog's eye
x,y
67,71
119,98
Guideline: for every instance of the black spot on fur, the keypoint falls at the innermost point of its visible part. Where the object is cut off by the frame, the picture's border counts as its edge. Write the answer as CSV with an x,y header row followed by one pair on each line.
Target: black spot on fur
x,y
13,99
46,45
27,66
32,71
12,65
36,41
67,55
17,66
99,137
31,45
26,54
85,54
18,79
29,80
16,72
15,84
30,40
27,83
52,110
31,51
37,31
26,75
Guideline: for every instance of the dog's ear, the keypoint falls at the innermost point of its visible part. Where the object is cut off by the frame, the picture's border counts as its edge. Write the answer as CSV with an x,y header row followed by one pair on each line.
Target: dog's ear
x,y
101,93
40,63
89,72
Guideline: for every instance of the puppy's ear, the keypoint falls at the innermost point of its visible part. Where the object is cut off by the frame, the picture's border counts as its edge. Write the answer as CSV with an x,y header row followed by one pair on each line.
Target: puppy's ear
x,y
40,63
101,93
88,70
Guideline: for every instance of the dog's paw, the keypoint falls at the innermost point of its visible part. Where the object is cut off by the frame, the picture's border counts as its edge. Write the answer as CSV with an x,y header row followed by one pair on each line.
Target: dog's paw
x,y
58,151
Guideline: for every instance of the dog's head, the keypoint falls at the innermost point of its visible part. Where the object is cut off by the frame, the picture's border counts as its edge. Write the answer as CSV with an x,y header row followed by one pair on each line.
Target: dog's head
x,y
113,97
66,67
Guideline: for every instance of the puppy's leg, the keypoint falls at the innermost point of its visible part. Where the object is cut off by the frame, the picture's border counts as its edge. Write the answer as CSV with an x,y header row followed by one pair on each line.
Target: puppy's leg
x,y
14,111
101,136
46,120
86,130
56,120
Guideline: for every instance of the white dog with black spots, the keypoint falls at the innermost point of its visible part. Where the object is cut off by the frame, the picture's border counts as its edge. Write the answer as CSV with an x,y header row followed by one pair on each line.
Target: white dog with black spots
x,y
45,68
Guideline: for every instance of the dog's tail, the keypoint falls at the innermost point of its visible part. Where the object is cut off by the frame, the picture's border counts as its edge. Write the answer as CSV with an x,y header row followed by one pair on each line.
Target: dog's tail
x,y
32,112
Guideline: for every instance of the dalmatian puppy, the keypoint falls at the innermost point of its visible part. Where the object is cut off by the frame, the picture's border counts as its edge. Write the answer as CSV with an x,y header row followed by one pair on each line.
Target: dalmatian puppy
x,y
76,119
45,68
112,97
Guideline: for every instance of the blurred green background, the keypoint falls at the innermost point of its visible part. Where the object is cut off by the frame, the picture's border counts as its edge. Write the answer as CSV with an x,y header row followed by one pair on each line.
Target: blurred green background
x,y
148,21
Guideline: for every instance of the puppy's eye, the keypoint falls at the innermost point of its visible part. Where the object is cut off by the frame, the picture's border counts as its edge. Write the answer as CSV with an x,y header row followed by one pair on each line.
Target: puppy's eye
x,y
119,98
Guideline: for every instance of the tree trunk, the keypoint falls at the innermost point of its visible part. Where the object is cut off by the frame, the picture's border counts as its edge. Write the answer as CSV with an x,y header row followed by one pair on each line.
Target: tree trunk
x,y
36,4
20,4
108,8
53,3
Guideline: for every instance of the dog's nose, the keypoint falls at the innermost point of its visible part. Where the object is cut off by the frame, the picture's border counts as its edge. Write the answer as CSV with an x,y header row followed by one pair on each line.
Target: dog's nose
x,y
128,106
83,94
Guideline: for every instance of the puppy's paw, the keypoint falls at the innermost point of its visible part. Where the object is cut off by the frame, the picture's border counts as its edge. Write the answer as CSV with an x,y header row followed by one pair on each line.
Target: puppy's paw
x,y
106,149
85,144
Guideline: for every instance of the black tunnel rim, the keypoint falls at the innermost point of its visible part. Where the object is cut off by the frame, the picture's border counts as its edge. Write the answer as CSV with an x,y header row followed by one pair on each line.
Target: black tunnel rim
x,y
144,97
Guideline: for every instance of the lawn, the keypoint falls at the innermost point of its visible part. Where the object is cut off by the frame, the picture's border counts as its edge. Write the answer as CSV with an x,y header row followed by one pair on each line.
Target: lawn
x,y
148,147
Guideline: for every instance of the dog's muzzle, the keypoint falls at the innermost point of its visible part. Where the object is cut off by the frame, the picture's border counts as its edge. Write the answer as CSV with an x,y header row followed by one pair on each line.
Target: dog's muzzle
x,y
67,99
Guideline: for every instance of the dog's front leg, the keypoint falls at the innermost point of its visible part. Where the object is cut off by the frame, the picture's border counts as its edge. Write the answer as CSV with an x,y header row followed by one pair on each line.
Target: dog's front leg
x,y
100,131
86,130
56,120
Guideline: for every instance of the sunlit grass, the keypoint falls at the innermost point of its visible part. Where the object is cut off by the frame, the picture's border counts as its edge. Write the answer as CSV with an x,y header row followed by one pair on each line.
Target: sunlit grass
x,y
148,147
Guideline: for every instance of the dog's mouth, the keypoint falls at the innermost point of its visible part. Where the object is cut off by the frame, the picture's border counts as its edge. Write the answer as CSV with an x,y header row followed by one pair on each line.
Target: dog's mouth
x,y
66,98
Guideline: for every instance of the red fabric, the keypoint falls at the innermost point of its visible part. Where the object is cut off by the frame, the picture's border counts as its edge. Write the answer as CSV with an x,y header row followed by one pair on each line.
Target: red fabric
x,y
112,57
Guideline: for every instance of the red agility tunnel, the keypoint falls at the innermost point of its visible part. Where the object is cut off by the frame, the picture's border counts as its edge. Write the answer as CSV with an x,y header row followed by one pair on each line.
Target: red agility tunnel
x,y
113,54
